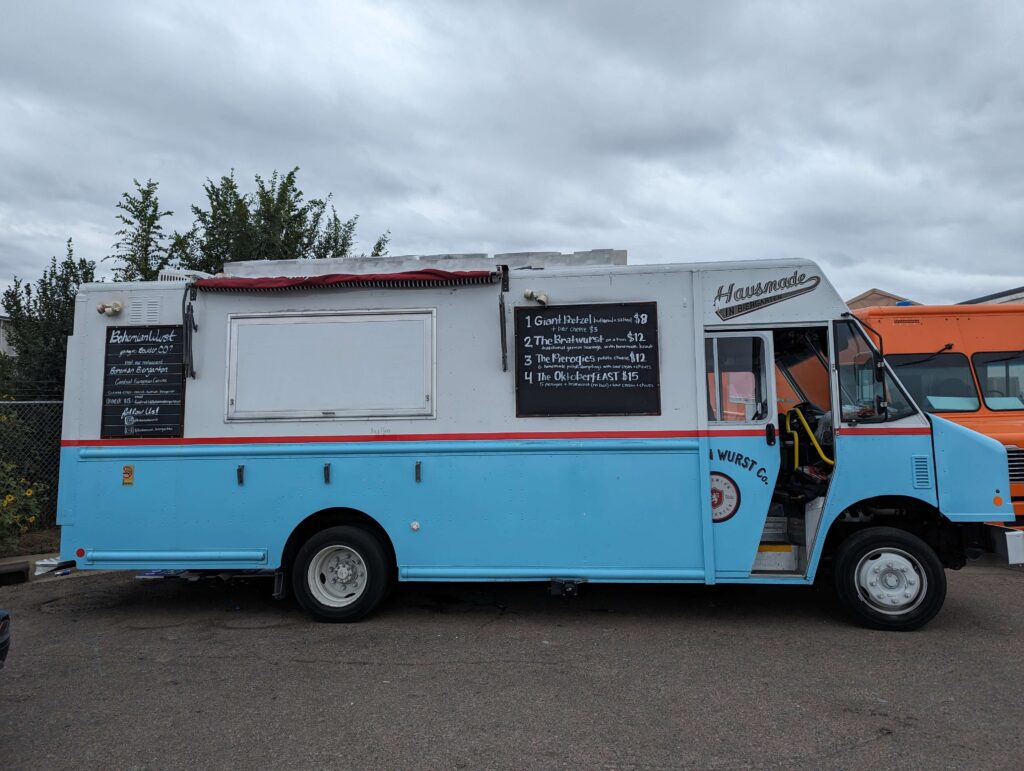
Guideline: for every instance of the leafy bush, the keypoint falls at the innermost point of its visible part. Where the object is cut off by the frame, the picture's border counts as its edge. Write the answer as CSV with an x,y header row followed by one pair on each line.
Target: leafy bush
x,y
29,461
19,505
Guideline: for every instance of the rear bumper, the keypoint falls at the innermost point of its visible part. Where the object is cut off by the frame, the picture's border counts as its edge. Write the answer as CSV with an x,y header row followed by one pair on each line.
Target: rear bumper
x,y
1007,543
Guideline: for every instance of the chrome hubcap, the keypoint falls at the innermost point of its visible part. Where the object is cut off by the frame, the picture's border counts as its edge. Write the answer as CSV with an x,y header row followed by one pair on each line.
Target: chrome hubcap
x,y
891,581
337,576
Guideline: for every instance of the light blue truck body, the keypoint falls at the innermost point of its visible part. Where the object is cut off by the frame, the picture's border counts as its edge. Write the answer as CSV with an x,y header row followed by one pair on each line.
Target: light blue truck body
x,y
470,491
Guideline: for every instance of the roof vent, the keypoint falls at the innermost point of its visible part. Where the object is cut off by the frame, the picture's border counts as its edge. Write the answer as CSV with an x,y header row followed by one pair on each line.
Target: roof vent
x,y
168,274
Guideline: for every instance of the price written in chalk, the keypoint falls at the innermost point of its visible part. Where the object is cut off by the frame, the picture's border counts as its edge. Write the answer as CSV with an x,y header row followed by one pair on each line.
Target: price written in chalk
x,y
143,382
597,359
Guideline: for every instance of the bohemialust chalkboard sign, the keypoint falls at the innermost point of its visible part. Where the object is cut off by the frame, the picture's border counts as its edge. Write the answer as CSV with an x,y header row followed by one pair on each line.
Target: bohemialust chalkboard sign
x,y
599,359
143,382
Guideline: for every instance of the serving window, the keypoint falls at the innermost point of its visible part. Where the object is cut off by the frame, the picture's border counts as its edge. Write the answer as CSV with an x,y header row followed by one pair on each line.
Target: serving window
x,y
324,366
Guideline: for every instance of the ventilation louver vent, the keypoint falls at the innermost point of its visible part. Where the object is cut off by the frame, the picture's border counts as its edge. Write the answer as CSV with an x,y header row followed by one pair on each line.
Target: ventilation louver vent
x,y
922,472
144,311
1015,456
169,274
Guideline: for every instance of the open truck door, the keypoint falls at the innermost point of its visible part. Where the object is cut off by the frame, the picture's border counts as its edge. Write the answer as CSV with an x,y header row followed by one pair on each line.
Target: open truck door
x,y
743,444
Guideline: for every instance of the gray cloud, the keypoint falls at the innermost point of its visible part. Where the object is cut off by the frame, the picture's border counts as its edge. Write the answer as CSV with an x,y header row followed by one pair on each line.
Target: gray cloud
x,y
883,140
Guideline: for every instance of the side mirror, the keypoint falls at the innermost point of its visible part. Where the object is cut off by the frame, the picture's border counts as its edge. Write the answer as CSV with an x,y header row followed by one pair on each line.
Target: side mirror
x,y
879,368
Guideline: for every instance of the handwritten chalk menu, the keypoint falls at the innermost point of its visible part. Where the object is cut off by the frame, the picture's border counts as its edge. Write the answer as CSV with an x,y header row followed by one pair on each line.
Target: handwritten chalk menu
x,y
143,382
587,360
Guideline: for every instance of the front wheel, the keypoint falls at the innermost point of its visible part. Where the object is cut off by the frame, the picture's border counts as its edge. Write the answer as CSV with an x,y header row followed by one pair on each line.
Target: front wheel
x,y
340,574
889,579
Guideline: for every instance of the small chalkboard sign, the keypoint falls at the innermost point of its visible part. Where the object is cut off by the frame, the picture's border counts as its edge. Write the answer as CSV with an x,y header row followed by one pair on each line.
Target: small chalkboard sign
x,y
143,382
598,359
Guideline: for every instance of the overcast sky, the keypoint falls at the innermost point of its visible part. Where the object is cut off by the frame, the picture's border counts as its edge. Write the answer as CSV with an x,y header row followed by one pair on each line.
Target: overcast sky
x,y
883,139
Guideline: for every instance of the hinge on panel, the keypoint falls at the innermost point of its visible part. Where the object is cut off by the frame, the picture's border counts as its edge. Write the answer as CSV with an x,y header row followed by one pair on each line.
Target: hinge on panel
x,y
503,329
566,587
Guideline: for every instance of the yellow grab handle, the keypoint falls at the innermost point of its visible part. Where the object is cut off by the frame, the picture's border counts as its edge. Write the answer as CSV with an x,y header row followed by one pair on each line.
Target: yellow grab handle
x,y
814,441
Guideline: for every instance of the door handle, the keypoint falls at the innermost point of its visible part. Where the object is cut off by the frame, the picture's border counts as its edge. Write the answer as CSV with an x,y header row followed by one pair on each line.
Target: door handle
x,y
769,434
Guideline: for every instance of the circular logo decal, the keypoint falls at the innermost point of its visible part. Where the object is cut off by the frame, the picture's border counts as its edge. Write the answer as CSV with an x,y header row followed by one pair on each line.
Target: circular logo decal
x,y
725,497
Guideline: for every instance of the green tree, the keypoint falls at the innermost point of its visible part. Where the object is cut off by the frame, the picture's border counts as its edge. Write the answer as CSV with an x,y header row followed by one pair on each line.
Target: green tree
x,y
42,317
380,246
8,375
336,238
286,227
142,247
221,233
274,222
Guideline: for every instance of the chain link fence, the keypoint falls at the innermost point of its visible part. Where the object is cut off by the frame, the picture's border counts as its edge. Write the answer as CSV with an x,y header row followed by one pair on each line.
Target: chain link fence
x,y
30,431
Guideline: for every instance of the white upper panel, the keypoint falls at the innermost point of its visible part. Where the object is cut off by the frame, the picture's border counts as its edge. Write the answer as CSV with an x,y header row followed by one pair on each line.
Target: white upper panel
x,y
469,391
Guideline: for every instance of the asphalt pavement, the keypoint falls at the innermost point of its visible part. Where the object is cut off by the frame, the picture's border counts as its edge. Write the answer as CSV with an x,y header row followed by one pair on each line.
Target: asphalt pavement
x,y
107,671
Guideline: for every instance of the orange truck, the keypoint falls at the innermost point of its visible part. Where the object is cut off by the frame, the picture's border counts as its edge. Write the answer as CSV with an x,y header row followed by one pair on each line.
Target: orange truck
x,y
965,363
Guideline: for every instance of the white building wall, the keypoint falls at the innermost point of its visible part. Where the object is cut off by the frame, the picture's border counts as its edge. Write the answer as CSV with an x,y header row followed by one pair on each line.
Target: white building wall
x,y
1016,297
5,346
999,298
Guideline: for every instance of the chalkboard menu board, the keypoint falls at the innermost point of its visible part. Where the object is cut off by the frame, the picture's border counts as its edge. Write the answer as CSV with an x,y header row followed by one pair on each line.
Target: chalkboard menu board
x,y
587,360
143,382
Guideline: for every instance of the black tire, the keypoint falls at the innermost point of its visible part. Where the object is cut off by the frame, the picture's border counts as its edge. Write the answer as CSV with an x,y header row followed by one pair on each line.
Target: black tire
x,y
902,591
341,574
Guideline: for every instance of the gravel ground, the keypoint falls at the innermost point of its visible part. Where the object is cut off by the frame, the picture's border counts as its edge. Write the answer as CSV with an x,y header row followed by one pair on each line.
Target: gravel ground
x,y
108,671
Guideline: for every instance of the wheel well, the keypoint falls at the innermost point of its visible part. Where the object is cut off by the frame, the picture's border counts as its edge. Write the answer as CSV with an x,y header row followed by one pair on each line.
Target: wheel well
x,y
325,518
950,542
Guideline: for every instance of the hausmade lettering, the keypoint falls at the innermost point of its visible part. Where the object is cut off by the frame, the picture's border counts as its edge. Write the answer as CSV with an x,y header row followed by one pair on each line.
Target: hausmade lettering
x,y
732,301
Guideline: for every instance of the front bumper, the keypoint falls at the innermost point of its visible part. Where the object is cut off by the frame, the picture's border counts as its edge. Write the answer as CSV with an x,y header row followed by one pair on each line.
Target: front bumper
x,y
1007,543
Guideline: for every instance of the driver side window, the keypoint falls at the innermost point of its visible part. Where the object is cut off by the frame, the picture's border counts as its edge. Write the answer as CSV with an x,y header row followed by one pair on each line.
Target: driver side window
x,y
864,398
736,379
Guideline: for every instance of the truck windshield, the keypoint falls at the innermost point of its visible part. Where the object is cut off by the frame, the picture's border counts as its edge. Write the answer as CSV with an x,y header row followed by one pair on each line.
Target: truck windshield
x,y
1001,374
862,397
938,382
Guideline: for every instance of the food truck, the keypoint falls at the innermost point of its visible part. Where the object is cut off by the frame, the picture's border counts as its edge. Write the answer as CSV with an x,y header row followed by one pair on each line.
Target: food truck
x,y
351,424
965,363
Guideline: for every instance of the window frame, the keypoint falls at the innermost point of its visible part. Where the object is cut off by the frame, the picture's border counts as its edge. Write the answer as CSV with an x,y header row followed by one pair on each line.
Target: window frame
x,y
977,375
236,320
767,383
970,371
879,360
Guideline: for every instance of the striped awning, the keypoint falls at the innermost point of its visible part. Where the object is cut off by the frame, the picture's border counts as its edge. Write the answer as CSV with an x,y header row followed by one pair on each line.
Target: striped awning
x,y
418,279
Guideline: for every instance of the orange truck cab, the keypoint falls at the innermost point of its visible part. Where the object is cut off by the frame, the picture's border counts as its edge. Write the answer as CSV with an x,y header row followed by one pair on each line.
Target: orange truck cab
x,y
965,363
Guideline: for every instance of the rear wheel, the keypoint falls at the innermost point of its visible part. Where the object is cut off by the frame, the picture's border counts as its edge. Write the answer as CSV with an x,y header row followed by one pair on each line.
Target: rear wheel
x,y
340,574
889,579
